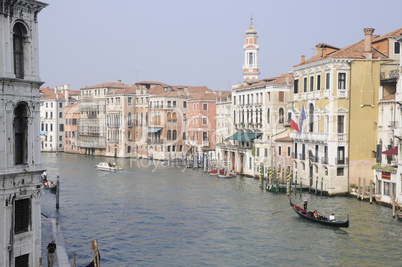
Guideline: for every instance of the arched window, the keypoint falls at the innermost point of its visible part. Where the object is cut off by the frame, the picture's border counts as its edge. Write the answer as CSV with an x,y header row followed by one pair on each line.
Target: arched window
x,y
129,135
174,135
169,135
174,116
169,116
129,120
20,133
281,116
311,118
18,49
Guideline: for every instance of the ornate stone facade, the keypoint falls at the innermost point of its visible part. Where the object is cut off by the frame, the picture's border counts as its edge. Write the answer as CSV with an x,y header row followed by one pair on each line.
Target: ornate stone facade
x,y
20,165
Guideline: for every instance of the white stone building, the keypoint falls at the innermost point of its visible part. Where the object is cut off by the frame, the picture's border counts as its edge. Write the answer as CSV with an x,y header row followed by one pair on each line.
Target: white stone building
x,y
20,164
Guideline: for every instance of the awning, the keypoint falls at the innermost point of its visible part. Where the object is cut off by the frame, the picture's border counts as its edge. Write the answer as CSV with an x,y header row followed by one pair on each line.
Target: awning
x,y
392,151
244,136
249,136
153,129
234,137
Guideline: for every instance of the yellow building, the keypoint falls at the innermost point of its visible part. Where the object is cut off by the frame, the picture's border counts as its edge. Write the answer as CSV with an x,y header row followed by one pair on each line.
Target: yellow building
x,y
336,95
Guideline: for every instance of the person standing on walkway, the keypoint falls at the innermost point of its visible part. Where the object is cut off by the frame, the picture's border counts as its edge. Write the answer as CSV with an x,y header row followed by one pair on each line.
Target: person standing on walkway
x,y
51,249
305,201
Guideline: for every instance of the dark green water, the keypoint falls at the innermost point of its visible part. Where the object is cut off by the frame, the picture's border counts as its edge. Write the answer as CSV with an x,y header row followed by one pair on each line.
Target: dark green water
x,y
155,215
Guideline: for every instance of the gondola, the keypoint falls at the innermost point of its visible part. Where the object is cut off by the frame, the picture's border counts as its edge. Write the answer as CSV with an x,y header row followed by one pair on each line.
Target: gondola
x,y
304,214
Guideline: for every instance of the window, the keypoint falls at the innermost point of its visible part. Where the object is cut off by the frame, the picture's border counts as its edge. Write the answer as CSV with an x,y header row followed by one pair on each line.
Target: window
x,y
268,116
296,87
311,83
130,99
18,48
61,127
288,151
22,215
184,104
341,120
204,120
22,261
129,119
305,85
205,106
129,135
341,155
279,150
397,48
169,135
128,149
281,116
281,96
174,135
266,152
20,134
250,58
327,80
60,106
204,136
60,115
341,80
339,171
184,135
311,118
318,82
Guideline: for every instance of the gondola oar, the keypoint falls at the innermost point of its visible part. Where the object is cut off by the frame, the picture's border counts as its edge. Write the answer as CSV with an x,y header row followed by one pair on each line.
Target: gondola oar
x,y
282,210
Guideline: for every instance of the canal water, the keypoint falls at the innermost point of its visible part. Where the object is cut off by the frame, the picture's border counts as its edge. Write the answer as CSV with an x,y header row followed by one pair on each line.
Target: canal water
x,y
151,214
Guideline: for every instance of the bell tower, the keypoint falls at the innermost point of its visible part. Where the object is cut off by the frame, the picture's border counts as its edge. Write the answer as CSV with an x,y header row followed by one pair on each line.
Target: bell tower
x,y
250,67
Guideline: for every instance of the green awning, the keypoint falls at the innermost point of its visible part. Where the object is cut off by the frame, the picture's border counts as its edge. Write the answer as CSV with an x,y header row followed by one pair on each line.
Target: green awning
x,y
153,129
249,136
244,136
234,137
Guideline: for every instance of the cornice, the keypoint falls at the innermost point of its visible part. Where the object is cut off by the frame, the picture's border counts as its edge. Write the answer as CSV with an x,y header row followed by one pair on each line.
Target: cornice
x,y
17,7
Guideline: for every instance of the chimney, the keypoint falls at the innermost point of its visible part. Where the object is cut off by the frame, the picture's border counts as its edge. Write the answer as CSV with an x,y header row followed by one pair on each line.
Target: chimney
x,y
368,36
119,81
67,93
303,59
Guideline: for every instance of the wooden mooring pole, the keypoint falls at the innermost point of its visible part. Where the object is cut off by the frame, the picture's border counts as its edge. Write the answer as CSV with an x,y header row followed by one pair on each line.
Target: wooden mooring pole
x,y
58,193
95,253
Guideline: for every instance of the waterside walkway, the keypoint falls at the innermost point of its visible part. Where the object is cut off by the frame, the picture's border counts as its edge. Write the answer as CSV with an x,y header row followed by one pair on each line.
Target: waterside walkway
x,y
51,231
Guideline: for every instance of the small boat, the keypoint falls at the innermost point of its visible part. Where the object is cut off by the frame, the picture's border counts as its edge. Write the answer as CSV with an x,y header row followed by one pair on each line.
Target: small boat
x,y
49,185
225,174
104,166
216,172
307,215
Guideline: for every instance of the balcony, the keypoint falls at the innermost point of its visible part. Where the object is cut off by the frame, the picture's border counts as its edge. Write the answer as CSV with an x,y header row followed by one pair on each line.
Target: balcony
x,y
341,161
205,143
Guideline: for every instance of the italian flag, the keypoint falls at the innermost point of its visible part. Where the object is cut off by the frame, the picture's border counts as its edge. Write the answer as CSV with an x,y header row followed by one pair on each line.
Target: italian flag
x,y
293,123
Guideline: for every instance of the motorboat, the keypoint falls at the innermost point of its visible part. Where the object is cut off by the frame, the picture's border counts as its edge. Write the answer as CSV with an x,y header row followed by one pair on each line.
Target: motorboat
x,y
104,166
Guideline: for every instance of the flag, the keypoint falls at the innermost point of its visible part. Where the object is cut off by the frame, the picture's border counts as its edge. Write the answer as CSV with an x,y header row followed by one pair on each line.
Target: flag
x,y
293,123
302,118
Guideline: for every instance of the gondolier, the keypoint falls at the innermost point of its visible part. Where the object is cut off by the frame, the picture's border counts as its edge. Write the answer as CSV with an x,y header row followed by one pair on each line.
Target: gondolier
x,y
305,201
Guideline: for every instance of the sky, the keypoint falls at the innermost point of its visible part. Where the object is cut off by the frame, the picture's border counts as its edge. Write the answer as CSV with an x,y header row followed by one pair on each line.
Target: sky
x,y
194,43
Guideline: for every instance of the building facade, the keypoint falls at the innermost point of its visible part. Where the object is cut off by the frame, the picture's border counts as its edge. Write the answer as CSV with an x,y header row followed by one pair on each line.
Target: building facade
x,y
20,167
336,94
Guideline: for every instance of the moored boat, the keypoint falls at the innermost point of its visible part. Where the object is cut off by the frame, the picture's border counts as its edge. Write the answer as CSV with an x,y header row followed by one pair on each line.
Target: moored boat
x,y
228,174
216,172
319,219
